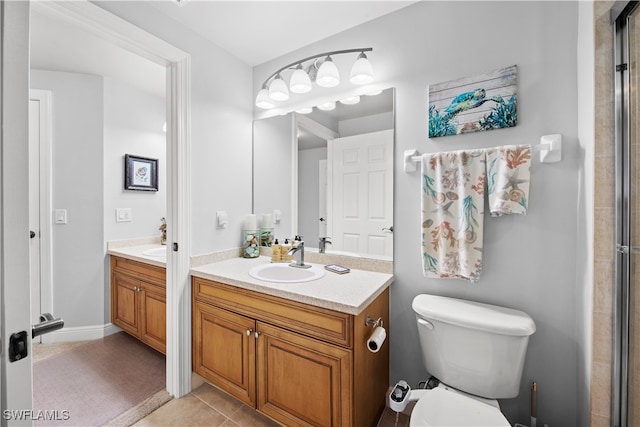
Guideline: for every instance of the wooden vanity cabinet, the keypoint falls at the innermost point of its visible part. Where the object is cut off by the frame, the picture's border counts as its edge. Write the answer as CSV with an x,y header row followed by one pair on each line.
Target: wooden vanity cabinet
x,y
296,363
138,301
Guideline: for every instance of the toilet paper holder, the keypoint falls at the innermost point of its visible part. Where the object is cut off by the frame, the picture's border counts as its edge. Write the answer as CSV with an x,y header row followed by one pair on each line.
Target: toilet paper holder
x,y
368,321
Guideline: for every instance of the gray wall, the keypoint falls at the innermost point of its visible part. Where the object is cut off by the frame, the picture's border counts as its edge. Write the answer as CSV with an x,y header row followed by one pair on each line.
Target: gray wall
x,y
308,194
272,157
133,122
78,246
529,262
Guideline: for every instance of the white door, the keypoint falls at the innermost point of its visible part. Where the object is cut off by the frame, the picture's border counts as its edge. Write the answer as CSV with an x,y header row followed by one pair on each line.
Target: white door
x,y
16,383
362,187
39,203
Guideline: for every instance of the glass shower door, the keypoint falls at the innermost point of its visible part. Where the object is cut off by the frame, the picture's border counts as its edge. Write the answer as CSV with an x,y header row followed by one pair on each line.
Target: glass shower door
x,y
627,358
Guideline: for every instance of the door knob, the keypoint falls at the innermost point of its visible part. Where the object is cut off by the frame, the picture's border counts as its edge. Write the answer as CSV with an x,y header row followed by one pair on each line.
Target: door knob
x,y
32,234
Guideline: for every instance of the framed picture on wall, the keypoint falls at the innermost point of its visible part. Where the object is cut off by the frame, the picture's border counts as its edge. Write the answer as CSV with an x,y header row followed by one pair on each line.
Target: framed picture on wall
x,y
140,173
478,103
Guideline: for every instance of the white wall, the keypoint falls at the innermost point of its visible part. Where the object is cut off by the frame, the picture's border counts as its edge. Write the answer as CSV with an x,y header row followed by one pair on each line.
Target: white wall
x,y
133,122
529,262
78,246
221,104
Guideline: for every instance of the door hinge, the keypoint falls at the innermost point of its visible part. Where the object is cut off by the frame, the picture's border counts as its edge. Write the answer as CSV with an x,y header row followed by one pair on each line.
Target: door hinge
x,y
622,67
175,247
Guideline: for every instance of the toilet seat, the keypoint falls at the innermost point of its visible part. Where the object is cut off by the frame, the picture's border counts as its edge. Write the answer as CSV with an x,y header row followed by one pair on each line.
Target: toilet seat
x,y
443,407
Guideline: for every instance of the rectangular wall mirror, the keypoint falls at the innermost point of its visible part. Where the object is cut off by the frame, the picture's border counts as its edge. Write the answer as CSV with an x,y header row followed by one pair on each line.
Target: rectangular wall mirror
x,y
329,174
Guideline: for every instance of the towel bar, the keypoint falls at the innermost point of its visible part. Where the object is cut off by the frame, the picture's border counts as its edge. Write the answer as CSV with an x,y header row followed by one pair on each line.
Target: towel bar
x,y
550,148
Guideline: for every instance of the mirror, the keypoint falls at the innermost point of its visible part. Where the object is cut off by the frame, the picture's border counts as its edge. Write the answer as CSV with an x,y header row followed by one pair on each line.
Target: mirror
x,y
329,174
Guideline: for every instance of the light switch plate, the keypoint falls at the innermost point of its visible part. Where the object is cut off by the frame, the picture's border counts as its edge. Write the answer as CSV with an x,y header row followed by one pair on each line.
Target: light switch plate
x,y
61,216
124,215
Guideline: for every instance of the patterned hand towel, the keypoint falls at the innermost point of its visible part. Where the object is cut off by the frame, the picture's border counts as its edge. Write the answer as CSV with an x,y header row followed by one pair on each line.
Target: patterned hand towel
x,y
452,214
508,174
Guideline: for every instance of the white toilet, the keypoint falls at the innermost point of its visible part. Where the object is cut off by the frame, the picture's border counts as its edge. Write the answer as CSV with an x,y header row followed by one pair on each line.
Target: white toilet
x,y
477,352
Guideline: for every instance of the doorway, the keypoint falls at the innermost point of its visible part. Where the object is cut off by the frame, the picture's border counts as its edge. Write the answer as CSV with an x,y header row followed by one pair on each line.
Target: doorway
x,y
177,65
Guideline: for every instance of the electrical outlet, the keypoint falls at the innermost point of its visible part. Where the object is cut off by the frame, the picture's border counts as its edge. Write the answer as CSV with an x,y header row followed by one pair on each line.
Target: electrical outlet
x,y
124,215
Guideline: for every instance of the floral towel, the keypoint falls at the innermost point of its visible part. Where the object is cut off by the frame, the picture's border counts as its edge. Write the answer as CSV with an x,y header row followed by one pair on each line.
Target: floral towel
x,y
508,174
452,214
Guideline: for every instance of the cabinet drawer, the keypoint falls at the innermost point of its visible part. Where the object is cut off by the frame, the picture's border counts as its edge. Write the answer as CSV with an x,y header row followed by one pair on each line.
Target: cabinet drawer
x,y
150,273
327,325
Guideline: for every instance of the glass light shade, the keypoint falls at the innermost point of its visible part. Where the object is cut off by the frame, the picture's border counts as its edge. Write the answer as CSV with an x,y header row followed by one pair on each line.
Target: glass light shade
x,y
304,110
300,81
328,75
362,71
263,100
327,106
351,100
278,90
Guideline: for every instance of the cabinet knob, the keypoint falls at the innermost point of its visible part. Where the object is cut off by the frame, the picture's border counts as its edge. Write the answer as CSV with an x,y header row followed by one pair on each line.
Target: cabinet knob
x,y
256,334
249,332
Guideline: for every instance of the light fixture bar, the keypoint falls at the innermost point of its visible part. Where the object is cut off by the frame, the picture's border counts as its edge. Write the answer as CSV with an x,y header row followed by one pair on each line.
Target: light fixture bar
x,y
320,55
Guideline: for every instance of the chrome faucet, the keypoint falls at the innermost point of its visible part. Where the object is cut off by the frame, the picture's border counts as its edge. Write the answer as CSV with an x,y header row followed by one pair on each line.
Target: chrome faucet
x,y
298,251
324,241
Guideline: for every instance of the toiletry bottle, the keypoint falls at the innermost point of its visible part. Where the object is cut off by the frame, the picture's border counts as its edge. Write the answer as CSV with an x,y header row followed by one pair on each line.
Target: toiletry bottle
x,y
285,251
276,251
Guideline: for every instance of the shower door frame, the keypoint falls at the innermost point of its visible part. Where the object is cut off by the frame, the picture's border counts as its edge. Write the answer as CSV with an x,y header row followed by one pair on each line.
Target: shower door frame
x,y
620,14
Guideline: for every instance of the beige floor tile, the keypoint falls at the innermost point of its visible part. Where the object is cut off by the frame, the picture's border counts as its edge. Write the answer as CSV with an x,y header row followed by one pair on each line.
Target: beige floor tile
x,y
217,399
186,411
391,418
246,416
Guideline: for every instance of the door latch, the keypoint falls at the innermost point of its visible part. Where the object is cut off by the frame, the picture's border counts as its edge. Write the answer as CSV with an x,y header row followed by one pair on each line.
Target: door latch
x,y
18,346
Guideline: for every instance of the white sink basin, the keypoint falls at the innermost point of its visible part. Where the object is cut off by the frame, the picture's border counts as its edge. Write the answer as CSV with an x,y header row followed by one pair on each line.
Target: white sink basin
x,y
284,273
156,252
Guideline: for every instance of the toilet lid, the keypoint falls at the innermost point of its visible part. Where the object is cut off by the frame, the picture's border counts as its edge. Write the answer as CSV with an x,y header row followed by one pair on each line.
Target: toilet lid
x,y
441,407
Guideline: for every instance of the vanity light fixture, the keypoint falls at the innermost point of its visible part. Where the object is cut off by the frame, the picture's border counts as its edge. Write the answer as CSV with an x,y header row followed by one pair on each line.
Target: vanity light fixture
x,y
278,90
320,69
351,100
327,106
304,110
328,74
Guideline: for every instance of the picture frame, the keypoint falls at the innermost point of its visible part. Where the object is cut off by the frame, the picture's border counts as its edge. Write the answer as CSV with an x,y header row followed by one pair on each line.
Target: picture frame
x,y
477,103
140,173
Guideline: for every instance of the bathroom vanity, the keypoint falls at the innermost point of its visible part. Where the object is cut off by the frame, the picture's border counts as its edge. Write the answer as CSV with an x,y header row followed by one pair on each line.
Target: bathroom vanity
x,y
295,351
138,297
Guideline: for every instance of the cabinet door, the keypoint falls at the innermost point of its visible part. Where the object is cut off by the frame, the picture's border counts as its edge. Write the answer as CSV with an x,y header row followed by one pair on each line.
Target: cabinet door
x,y
124,300
302,381
153,317
224,350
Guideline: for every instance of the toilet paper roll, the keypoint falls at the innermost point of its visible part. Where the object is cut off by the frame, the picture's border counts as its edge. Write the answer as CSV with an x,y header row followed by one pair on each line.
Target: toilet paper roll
x,y
375,341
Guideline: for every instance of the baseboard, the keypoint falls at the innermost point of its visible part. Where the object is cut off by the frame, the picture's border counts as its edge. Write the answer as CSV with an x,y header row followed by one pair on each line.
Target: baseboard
x,y
84,333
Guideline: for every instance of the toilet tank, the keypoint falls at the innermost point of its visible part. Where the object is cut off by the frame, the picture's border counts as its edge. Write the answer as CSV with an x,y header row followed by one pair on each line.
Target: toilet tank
x,y
473,347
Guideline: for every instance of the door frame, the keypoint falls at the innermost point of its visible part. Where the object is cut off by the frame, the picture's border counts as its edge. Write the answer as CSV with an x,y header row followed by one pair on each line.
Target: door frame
x,y
126,35
45,206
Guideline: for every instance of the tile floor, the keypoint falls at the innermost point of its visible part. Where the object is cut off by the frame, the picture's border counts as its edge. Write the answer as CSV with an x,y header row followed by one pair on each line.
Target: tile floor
x,y
208,406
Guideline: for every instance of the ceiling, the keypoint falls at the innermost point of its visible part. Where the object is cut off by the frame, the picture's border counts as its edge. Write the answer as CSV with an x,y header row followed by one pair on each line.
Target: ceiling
x,y
259,31
253,31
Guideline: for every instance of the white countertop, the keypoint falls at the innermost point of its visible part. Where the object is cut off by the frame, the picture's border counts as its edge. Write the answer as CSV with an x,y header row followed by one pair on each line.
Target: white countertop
x,y
347,293
135,253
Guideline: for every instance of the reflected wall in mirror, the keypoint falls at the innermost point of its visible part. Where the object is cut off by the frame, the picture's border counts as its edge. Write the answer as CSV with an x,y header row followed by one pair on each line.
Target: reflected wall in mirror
x,y
330,175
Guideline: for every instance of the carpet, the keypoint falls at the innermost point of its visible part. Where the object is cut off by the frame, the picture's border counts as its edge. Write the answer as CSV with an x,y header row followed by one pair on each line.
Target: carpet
x,y
96,382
